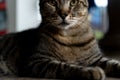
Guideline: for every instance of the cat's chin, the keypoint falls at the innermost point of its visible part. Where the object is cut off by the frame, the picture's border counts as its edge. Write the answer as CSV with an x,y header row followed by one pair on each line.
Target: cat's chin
x,y
66,25
63,24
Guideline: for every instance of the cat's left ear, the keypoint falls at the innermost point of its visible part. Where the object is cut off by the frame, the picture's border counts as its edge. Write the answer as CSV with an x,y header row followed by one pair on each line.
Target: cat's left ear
x,y
86,3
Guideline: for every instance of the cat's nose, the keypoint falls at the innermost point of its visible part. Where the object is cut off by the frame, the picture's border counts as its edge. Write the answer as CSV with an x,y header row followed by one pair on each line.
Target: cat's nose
x,y
63,13
63,16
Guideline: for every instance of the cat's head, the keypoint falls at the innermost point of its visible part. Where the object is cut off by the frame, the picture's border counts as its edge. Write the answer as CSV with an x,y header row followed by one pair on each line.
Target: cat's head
x,y
63,13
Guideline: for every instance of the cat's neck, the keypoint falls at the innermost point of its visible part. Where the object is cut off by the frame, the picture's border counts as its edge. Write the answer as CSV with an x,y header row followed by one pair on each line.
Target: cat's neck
x,y
75,35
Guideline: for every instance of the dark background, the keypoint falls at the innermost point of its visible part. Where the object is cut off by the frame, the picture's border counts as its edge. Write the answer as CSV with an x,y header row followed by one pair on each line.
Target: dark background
x,y
111,41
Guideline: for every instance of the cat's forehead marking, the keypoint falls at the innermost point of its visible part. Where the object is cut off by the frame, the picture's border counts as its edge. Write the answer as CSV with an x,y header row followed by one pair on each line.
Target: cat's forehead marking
x,y
63,1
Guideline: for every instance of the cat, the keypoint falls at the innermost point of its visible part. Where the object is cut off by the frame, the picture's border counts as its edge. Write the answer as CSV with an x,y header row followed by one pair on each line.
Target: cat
x,y
63,46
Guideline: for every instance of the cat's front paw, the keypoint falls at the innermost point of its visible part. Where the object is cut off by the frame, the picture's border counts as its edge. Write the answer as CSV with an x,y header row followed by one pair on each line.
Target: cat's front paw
x,y
113,69
94,73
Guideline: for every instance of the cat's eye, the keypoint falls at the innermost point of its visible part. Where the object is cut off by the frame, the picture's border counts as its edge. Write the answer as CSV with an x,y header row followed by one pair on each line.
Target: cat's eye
x,y
73,2
52,2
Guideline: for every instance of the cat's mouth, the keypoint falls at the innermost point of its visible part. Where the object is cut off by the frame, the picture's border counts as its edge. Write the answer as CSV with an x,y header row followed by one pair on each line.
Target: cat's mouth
x,y
64,23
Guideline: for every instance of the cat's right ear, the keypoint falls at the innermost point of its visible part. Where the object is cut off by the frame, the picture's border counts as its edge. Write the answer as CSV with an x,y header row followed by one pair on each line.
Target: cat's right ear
x,y
41,4
40,1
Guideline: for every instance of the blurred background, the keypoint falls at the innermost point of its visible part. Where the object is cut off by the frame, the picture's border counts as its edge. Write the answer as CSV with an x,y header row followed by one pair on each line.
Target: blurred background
x,y
104,16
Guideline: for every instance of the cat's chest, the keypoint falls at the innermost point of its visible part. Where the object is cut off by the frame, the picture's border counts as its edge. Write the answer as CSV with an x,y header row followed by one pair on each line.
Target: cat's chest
x,y
74,54
68,53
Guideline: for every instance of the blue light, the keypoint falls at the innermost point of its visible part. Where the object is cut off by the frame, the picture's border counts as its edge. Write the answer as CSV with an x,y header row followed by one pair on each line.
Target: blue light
x,y
101,3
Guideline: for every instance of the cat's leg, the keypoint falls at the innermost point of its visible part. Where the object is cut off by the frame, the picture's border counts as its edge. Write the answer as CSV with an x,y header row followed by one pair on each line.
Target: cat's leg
x,y
5,71
110,66
46,68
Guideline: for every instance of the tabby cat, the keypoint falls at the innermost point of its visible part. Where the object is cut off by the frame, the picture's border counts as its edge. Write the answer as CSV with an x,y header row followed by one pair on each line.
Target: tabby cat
x,y
62,47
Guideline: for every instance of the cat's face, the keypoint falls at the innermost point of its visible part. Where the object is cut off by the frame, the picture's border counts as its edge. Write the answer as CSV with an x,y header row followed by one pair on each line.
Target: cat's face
x,y
63,13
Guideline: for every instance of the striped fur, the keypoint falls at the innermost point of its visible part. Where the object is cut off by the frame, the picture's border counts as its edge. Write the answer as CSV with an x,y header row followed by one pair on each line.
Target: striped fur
x,y
62,47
